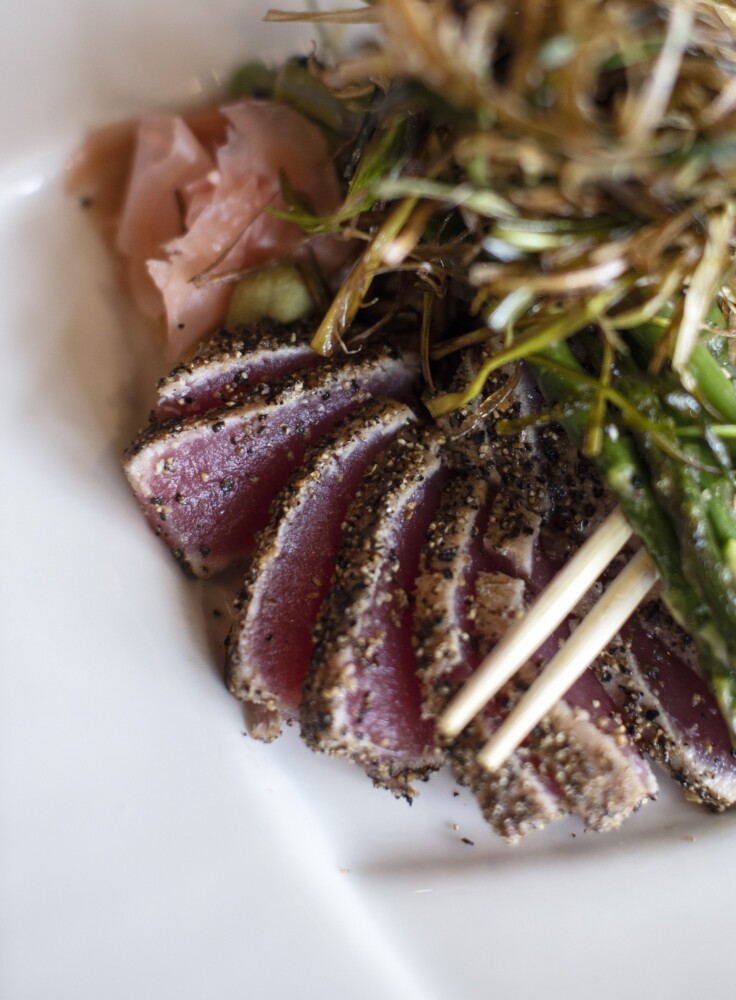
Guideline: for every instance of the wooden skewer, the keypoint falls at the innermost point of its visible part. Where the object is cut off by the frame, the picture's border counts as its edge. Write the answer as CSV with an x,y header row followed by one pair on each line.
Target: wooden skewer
x,y
592,635
526,636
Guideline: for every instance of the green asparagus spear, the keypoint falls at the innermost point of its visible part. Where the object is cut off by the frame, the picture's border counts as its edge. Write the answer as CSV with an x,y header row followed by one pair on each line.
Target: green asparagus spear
x,y
638,493
691,496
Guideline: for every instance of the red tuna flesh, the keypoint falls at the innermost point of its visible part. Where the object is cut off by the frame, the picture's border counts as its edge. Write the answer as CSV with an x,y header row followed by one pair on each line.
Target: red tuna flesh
x,y
230,363
668,707
362,698
205,483
270,644
518,799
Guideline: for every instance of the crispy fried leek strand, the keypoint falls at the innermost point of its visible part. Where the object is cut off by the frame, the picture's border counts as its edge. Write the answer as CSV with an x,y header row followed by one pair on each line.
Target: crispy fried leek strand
x,y
348,16
351,296
651,105
594,434
486,203
427,303
496,400
527,346
705,283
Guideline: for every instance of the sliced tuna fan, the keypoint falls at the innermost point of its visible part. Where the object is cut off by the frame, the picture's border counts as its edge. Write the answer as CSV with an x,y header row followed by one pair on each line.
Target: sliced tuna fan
x,y
385,558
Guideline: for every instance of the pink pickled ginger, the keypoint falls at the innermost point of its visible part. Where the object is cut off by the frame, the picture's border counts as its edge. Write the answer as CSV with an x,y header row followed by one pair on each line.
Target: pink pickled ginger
x,y
168,157
181,199
211,217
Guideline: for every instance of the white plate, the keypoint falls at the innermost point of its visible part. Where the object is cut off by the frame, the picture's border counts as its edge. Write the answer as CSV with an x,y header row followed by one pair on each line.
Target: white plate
x,y
146,848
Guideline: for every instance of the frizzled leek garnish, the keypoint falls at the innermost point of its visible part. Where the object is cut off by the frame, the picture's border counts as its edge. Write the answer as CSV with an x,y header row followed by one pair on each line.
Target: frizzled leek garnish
x,y
485,203
425,337
593,440
346,16
526,346
381,156
351,296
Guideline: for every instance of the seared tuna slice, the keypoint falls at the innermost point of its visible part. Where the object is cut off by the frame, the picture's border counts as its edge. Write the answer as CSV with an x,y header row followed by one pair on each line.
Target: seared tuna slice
x,y
447,620
270,643
231,362
582,744
206,482
362,699
581,747
669,709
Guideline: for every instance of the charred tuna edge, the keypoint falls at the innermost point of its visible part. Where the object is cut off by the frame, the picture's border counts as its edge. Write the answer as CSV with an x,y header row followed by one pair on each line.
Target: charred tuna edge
x,y
231,362
517,800
361,698
578,500
270,643
205,482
